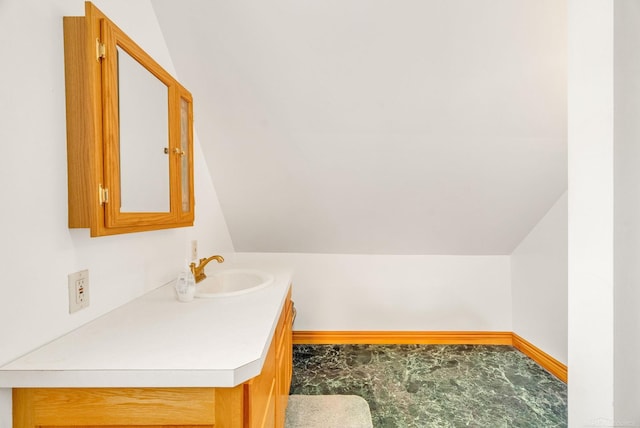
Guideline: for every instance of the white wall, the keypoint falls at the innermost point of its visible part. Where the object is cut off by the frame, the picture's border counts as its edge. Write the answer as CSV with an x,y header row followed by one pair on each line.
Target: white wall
x,y
373,292
539,283
590,212
452,112
37,250
627,212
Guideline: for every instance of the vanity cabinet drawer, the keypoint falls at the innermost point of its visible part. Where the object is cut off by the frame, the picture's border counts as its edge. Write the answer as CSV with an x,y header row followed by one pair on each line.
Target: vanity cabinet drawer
x,y
113,407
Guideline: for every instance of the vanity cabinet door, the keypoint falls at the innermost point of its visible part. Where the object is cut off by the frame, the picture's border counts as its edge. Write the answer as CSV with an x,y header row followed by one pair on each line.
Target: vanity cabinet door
x,y
284,362
269,392
260,394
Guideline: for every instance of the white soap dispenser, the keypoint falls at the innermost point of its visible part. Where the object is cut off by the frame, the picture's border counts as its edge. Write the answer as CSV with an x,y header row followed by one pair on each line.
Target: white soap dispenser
x,y
185,285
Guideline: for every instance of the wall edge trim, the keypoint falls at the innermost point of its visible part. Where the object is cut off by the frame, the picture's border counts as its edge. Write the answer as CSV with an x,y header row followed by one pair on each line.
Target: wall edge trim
x,y
549,363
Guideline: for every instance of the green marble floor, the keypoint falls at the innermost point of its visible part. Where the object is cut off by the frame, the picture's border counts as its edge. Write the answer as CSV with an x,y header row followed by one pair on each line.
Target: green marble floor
x,y
435,385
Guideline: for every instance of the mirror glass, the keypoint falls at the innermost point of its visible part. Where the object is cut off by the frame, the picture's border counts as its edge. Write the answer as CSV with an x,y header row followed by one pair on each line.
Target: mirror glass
x,y
144,138
184,145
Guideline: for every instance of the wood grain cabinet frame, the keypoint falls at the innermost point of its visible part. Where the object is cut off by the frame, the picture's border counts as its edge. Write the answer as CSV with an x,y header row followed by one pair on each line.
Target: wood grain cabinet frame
x,y
93,45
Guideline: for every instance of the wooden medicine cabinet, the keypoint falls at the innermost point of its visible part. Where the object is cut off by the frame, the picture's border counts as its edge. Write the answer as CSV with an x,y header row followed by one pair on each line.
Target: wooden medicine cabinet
x,y
129,133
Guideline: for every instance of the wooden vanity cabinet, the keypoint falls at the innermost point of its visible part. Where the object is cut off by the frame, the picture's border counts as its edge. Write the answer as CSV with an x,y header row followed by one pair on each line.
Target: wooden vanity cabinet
x,y
260,402
267,394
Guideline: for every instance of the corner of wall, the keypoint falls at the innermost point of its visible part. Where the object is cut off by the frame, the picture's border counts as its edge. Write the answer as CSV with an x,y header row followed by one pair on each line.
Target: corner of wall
x,y
539,283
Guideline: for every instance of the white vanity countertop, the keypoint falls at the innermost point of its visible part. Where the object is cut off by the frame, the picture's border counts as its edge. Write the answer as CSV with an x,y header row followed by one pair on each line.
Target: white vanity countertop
x,y
156,341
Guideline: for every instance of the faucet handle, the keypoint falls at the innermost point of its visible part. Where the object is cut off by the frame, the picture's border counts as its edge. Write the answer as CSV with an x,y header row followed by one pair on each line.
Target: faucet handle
x,y
198,271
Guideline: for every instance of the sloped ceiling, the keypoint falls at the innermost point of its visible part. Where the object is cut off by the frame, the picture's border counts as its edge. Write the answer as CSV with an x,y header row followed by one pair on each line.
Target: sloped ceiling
x,y
377,126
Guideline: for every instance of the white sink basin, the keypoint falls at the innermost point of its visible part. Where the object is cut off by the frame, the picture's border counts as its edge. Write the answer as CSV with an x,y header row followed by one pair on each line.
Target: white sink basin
x,y
231,282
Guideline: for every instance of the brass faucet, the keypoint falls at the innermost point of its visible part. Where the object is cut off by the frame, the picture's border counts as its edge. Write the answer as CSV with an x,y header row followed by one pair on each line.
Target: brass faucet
x,y
198,271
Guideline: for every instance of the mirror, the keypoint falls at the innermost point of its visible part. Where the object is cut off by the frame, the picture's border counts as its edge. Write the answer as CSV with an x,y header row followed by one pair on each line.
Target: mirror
x,y
144,138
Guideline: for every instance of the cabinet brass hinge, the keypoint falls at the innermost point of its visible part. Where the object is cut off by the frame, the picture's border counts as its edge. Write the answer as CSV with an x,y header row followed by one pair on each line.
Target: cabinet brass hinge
x,y
104,195
100,50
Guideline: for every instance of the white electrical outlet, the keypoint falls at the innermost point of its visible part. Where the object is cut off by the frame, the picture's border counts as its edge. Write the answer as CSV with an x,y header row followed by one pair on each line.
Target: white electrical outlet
x,y
78,290
194,250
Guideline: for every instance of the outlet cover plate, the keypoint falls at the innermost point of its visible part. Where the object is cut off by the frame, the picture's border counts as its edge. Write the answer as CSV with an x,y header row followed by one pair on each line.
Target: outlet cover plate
x,y
78,290
194,250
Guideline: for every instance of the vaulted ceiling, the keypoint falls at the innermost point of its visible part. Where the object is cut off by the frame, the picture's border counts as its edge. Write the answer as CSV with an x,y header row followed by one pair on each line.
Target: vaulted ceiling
x,y
377,126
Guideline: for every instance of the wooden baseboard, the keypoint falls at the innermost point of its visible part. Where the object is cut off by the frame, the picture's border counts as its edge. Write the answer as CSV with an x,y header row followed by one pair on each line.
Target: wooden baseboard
x,y
433,338
552,365
403,337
